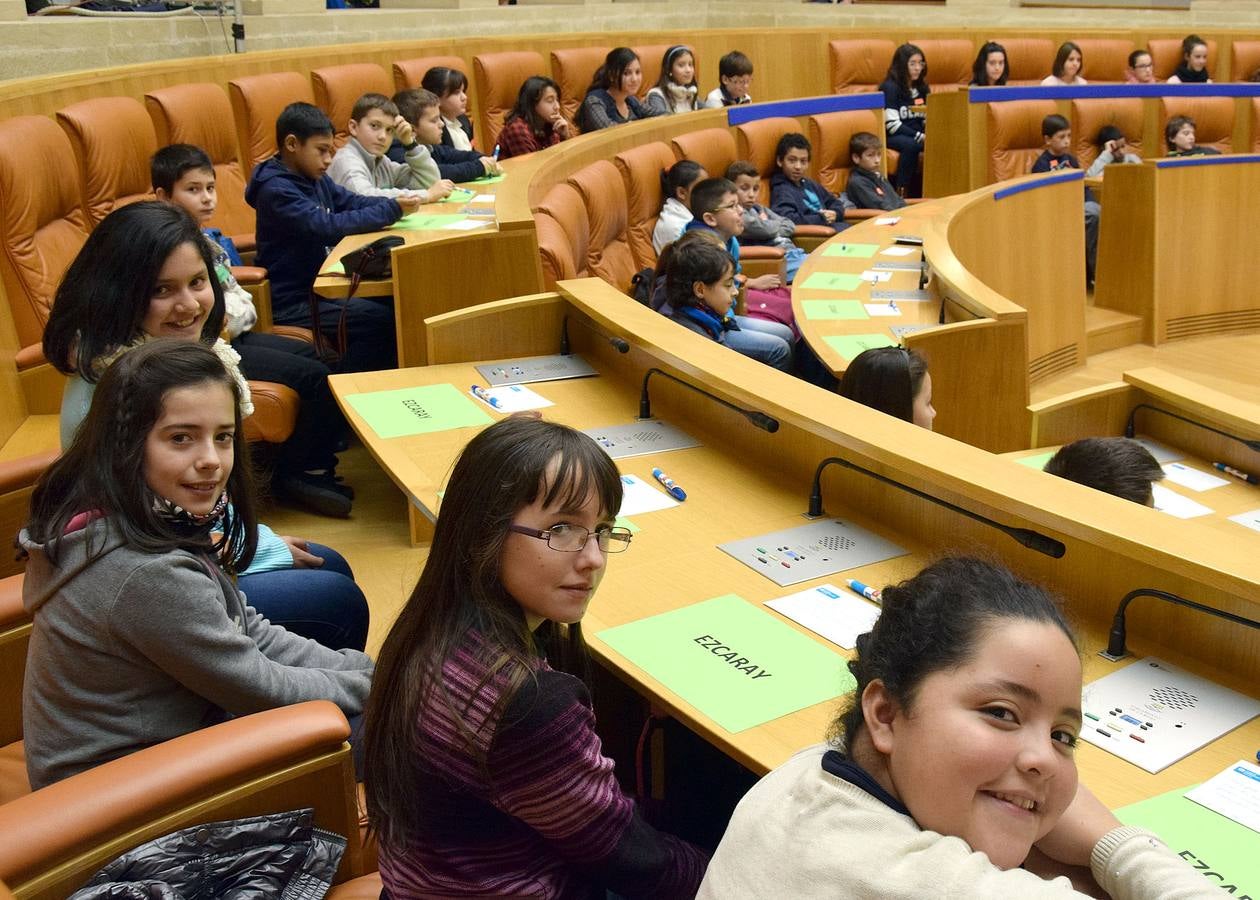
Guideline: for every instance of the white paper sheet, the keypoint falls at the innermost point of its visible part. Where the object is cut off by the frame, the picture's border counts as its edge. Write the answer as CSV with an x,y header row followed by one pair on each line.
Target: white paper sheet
x,y
640,497
1194,479
888,220
1168,501
510,398
881,309
875,277
899,250
835,613
1248,519
1234,793
467,225
1161,452
482,200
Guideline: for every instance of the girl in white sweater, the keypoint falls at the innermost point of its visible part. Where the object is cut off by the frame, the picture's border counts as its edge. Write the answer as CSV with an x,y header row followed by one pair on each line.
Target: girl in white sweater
x,y
952,767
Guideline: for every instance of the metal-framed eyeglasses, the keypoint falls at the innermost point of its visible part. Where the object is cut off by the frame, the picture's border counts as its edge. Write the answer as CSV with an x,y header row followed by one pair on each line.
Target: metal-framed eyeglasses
x,y
572,538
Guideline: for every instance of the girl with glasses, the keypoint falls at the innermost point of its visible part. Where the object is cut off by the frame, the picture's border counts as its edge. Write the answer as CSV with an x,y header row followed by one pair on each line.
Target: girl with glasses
x,y
485,773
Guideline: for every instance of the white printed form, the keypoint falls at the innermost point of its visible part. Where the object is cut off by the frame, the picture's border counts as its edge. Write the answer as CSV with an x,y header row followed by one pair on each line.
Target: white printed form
x,y
1234,793
1168,501
1194,479
640,497
832,612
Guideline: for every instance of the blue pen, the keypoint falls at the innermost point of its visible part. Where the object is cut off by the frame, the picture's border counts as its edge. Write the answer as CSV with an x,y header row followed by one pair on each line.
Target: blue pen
x,y
875,595
496,152
668,483
483,394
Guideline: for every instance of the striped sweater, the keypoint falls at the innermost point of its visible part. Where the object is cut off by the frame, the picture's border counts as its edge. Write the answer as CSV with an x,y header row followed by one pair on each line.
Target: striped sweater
x,y
548,821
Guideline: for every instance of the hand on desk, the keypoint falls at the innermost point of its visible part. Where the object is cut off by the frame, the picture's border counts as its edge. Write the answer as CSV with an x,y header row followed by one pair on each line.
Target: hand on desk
x,y
491,165
440,190
409,203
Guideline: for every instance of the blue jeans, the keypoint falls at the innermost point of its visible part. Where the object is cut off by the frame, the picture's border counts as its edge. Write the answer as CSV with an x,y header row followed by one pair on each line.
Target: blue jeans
x,y
322,604
767,342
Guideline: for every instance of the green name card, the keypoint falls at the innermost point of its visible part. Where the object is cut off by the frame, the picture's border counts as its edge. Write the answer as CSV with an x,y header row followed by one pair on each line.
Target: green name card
x,y
850,345
417,410
1036,461
427,221
834,309
831,281
852,251
733,661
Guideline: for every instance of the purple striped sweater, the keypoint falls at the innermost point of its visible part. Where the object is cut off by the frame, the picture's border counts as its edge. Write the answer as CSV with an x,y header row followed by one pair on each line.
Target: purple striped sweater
x,y
550,821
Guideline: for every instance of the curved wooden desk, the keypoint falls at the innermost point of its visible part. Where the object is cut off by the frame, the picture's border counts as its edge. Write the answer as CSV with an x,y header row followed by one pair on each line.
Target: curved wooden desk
x,y
733,491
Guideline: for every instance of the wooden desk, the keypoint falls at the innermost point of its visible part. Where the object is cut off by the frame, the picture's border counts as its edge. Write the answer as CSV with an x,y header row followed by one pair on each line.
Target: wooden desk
x,y
733,492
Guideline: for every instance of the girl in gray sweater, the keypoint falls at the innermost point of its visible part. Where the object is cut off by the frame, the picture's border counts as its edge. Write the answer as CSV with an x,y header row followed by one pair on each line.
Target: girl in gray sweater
x,y
139,632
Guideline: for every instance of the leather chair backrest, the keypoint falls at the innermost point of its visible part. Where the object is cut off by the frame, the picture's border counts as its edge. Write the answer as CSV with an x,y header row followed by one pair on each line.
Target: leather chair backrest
x,y
573,68
640,169
604,195
409,72
1014,136
650,56
113,141
42,223
949,62
564,206
195,114
338,88
830,134
1028,60
859,66
1166,55
1089,116
756,142
554,251
1104,59
497,79
713,148
257,101
1255,124
1213,120
1246,60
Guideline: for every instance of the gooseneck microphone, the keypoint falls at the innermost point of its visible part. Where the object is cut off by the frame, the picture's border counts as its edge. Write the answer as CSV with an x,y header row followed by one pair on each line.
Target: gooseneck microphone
x,y
756,417
619,344
1116,648
1033,540
1128,425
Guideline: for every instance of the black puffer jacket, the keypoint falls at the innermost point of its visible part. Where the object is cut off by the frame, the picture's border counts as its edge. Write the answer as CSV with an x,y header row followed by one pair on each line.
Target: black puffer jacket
x,y
280,855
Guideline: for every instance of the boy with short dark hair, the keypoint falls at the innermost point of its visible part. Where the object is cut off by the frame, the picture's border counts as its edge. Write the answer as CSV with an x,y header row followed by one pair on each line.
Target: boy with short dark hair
x,y
419,109
1057,134
1119,466
302,214
867,187
361,165
795,196
305,467
735,71
763,226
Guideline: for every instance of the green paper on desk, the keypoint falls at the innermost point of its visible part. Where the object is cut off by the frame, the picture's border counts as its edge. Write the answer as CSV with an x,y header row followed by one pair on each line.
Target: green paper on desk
x,y
831,281
427,221
458,195
853,251
417,410
833,309
1224,851
850,345
488,179
733,661
1036,461
623,522
337,268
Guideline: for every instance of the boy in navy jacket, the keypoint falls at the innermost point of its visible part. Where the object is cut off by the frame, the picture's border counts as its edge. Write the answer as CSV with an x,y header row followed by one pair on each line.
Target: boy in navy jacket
x,y
1057,134
796,197
302,214
459,166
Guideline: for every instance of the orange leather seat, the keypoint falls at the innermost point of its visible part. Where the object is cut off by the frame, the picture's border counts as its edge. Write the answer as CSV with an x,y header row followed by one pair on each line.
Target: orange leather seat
x,y
196,114
859,66
409,72
713,148
256,104
1104,59
338,87
17,481
603,194
1089,116
42,224
564,233
554,252
113,140
1246,60
1213,119
1014,136
573,68
1166,55
756,142
497,82
640,169
830,134
650,56
15,634
949,62
1028,60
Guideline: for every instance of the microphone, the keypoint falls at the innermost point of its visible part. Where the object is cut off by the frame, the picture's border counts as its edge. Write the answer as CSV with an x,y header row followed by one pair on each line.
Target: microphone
x,y
1116,648
1128,426
756,417
1033,540
620,345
